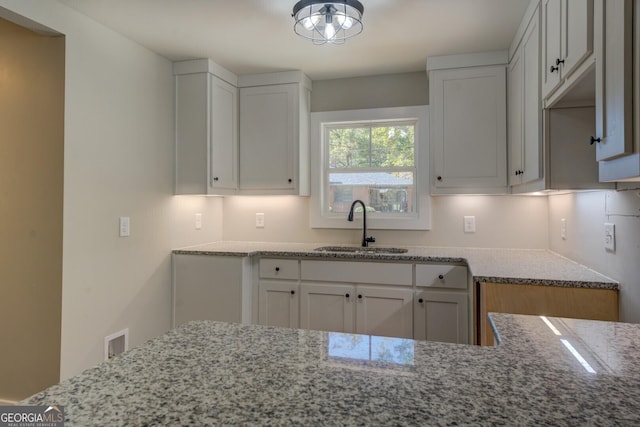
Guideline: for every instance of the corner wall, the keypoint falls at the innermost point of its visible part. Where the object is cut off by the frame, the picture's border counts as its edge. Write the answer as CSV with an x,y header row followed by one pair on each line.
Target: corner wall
x,y
585,215
118,161
31,173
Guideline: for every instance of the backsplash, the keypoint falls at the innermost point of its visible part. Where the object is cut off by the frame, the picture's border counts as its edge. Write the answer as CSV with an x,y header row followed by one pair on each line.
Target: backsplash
x,y
585,215
501,222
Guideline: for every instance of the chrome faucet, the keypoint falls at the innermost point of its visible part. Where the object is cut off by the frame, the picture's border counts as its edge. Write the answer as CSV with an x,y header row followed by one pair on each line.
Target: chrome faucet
x,y
365,240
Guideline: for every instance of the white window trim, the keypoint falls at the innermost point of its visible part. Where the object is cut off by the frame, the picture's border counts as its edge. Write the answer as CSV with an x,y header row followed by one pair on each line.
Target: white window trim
x,y
421,221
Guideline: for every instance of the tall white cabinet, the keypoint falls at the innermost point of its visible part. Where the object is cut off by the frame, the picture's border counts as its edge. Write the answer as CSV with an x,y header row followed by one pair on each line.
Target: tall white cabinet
x,y
524,107
274,133
206,128
468,123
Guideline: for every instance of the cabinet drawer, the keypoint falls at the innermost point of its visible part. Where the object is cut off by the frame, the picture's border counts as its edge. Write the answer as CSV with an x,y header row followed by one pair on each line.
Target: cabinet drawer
x,y
441,276
357,272
279,269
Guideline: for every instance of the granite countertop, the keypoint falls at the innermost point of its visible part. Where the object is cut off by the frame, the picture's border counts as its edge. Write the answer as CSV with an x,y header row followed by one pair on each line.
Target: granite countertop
x,y
517,266
211,373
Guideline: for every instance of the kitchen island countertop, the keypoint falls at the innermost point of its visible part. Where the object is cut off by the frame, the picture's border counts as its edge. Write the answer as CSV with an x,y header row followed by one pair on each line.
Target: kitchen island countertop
x,y
517,266
211,373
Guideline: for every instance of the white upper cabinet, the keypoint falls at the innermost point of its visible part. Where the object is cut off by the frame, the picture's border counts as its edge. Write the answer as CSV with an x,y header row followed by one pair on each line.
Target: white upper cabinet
x,y
614,83
206,129
468,123
567,40
524,107
274,133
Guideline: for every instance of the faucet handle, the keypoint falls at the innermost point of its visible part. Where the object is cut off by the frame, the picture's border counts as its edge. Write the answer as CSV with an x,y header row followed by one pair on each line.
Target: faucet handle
x,y
370,239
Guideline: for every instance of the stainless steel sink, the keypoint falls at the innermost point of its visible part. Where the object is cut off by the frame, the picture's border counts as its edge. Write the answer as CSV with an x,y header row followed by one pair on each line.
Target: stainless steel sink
x,y
360,249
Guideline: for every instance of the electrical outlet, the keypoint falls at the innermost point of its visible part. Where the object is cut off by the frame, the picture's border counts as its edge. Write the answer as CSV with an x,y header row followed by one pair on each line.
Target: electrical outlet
x,y
609,236
469,224
198,221
259,220
563,229
125,226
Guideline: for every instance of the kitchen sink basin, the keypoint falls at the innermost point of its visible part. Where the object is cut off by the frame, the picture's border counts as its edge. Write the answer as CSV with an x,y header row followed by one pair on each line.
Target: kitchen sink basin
x,y
360,249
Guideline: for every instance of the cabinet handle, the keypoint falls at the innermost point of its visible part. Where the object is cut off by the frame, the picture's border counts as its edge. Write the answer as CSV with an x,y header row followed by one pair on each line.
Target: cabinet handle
x,y
346,295
277,268
440,276
552,69
439,178
559,61
420,300
290,180
359,296
215,178
293,292
595,140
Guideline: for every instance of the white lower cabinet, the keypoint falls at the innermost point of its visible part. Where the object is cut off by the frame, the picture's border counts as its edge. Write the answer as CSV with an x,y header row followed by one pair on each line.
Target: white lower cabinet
x,y
279,304
211,288
384,312
327,307
441,316
373,298
441,304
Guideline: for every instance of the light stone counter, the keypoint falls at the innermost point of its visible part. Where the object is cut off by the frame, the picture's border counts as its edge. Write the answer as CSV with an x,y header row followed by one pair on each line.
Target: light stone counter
x,y
210,373
517,266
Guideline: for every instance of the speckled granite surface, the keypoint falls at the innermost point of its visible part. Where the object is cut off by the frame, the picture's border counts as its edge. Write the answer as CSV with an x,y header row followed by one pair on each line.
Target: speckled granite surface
x,y
209,373
518,266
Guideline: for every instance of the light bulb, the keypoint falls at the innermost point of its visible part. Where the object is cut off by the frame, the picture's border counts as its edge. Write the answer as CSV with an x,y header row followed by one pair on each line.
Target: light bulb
x,y
329,31
310,21
344,21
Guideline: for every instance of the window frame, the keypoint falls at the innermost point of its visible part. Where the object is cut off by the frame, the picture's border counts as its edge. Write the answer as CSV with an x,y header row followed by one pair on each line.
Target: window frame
x,y
319,215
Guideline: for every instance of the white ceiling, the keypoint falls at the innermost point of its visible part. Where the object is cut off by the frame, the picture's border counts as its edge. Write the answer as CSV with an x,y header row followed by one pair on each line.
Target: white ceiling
x,y
256,36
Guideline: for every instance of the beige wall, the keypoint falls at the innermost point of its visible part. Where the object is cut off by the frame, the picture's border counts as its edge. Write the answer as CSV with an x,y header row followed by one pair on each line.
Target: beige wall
x,y
393,90
585,215
31,173
118,161
502,222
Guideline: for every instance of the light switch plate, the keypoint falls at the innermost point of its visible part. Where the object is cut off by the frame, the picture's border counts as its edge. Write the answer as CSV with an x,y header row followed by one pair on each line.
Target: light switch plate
x,y
259,220
469,224
125,228
609,236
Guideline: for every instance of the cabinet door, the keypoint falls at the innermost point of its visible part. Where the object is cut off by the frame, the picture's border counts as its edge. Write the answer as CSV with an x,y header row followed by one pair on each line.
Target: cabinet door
x,y
207,288
325,307
531,105
223,128
279,304
551,33
268,137
614,79
191,134
577,34
468,129
514,104
442,316
384,311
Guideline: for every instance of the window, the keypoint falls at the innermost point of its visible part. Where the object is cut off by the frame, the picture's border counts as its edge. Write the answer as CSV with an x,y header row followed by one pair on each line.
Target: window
x,y
377,156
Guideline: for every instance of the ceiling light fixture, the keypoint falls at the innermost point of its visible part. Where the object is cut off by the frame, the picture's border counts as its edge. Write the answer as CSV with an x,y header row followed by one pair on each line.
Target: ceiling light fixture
x,y
328,21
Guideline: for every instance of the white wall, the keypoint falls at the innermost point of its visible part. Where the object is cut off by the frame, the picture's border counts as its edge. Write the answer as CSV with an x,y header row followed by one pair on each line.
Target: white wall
x,y
119,127
585,214
391,90
502,221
